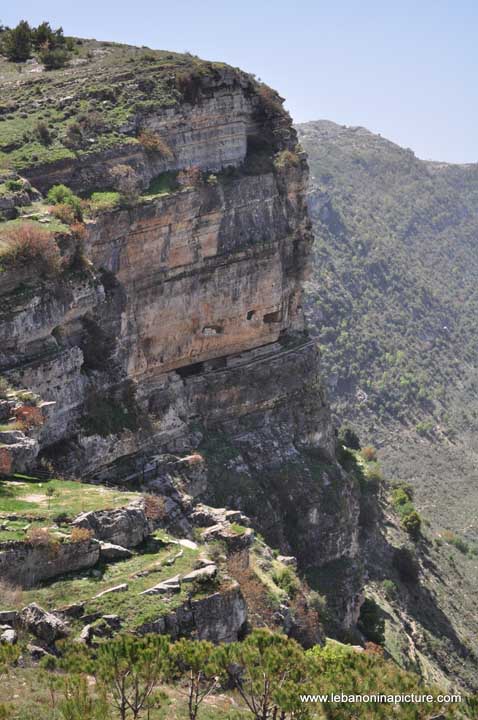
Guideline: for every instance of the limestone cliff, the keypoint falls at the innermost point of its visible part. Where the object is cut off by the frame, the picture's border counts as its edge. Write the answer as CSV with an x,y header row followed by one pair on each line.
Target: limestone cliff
x,y
176,326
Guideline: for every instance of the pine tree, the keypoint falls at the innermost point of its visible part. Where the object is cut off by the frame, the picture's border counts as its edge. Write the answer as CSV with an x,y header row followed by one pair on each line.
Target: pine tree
x,y
17,44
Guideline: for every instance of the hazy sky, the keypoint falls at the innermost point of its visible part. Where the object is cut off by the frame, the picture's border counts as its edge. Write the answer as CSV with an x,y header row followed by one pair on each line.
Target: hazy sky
x,y
406,69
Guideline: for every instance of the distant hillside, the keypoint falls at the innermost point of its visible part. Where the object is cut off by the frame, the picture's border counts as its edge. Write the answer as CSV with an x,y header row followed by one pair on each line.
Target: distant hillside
x,y
394,301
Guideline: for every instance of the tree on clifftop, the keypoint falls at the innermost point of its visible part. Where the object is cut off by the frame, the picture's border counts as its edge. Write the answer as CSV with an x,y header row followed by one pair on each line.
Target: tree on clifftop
x,y
17,43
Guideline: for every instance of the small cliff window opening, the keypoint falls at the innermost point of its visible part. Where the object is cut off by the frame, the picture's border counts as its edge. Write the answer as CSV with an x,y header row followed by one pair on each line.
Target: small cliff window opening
x,y
251,314
273,317
189,370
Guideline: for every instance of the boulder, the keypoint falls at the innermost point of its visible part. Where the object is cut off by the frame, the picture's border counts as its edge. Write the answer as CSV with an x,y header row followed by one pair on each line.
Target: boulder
x,y
110,552
167,586
103,627
37,652
289,560
117,588
202,574
44,625
206,516
126,527
8,636
74,610
114,621
233,540
204,562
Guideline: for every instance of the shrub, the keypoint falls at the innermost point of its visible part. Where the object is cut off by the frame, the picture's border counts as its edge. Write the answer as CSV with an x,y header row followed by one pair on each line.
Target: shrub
x,y
80,534
64,213
73,136
27,244
390,589
285,579
189,85
349,438
369,453
412,524
270,101
4,388
374,476
62,195
286,159
92,122
452,539
28,416
152,142
11,595
317,602
40,536
59,194
54,59
42,132
370,621
406,563
14,185
154,507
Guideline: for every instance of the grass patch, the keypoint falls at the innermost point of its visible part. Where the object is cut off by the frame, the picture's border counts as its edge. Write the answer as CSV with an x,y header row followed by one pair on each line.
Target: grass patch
x,y
133,608
30,496
101,201
163,184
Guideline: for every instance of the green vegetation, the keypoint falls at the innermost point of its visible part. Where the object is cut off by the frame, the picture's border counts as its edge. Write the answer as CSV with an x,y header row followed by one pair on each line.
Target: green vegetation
x,y
28,243
109,90
61,195
163,184
393,297
51,46
402,497
110,416
261,677
453,539
371,622
101,201
48,499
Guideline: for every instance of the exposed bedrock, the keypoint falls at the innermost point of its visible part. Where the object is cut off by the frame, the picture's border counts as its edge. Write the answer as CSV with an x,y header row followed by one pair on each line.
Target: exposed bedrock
x,y
184,333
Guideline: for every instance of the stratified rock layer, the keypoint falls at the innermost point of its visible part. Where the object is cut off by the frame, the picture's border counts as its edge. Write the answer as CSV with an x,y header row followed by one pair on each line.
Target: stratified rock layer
x,y
186,329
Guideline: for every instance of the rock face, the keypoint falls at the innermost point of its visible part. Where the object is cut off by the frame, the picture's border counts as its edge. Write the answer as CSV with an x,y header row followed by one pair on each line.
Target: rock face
x,y
187,331
126,527
220,617
44,625
24,564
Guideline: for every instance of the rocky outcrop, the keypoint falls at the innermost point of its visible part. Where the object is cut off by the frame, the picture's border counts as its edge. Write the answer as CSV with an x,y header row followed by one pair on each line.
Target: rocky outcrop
x,y
184,332
110,552
220,617
126,527
26,564
42,624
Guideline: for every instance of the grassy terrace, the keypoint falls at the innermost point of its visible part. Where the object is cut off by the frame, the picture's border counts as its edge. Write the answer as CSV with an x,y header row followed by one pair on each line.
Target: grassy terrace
x,y
103,79
133,608
37,500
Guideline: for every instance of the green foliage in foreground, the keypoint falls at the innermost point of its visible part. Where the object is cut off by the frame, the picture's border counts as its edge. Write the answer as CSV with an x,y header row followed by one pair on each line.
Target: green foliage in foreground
x,y
136,677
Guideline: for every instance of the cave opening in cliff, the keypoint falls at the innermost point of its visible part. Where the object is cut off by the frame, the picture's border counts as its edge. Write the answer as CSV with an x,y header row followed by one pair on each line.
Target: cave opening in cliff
x,y
251,314
189,370
272,317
